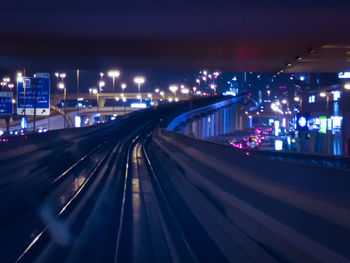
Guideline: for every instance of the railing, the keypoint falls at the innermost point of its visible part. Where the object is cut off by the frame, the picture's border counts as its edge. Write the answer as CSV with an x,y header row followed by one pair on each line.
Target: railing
x,y
293,157
307,158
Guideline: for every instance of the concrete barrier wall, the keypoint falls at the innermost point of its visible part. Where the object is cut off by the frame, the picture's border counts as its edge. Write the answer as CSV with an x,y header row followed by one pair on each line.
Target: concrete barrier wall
x,y
213,120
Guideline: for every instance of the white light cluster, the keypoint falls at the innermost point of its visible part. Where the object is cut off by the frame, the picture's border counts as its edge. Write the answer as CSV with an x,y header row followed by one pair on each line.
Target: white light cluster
x,y
275,106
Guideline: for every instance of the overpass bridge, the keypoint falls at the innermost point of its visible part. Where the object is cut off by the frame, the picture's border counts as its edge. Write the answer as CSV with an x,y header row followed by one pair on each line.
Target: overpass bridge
x,y
101,98
100,109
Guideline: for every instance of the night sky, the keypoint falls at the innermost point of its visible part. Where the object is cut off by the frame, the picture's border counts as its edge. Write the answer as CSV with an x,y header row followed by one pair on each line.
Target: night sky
x,y
258,36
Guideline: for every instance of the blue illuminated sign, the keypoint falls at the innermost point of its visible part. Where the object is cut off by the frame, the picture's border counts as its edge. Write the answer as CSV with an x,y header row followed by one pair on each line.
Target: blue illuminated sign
x,y
6,105
28,88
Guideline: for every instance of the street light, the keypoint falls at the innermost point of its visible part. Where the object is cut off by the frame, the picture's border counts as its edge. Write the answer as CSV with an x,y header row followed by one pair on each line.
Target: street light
x,y
161,93
123,87
60,75
101,84
185,91
139,81
213,87
114,74
62,86
90,98
323,94
347,86
20,79
173,89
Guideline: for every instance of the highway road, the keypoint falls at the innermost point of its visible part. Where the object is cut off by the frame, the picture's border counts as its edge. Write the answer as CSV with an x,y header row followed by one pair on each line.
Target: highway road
x,y
131,191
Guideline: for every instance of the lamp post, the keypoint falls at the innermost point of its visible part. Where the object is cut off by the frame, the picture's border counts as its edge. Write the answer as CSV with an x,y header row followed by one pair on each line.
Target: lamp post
x,y
139,81
173,89
123,86
113,74
20,79
95,92
161,93
63,87
101,84
90,90
62,76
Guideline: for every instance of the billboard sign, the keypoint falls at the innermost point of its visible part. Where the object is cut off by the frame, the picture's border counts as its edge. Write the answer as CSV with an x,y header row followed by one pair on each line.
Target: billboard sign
x,y
6,105
323,124
33,93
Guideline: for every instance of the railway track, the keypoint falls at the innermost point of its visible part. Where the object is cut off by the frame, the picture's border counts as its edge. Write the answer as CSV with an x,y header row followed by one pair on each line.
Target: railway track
x,y
119,212
111,205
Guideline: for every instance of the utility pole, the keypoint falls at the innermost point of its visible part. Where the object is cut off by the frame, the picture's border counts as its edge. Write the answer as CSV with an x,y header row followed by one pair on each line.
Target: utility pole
x,y
35,84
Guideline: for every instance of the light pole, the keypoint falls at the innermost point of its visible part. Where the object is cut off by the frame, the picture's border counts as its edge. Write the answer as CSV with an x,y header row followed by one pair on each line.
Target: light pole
x,y
62,76
90,90
173,89
95,92
139,81
113,74
215,77
213,87
101,84
62,86
20,79
78,76
123,86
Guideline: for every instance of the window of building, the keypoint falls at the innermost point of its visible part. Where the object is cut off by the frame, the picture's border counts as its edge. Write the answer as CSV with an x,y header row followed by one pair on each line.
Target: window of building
x,y
312,99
